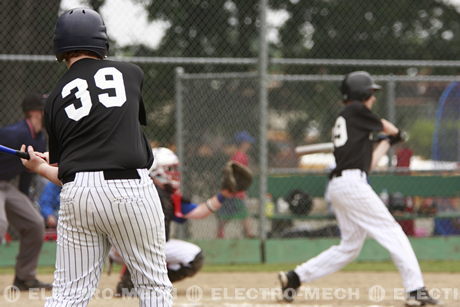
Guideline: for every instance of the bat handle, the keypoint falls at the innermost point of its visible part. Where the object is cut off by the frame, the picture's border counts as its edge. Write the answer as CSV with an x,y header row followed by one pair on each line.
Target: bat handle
x,y
23,155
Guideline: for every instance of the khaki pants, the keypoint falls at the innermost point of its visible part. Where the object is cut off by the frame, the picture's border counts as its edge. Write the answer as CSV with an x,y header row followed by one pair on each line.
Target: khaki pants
x,y
17,210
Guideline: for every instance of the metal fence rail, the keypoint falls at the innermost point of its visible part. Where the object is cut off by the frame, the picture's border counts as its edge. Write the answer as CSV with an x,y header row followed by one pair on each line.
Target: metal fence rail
x,y
270,68
294,103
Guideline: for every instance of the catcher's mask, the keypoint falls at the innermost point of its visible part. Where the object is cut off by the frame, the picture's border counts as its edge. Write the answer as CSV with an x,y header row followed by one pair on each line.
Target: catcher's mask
x,y
165,167
80,29
358,85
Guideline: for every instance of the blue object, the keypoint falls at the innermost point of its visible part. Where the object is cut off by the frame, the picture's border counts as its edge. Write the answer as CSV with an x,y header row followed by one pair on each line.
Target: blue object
x,y
186,207
49,200
244,136
448,108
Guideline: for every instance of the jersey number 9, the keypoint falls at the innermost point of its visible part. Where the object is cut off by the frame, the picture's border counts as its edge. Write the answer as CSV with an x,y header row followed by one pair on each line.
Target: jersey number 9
x,y
102,82
339,132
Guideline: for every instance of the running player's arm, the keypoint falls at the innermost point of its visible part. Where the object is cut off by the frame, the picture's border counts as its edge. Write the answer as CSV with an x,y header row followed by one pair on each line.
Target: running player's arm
x,y
38,164
380,150
389,128
383,146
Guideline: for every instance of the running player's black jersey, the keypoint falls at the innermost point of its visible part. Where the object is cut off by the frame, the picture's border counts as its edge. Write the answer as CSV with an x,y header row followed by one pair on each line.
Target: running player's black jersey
x,y
93,118
351,136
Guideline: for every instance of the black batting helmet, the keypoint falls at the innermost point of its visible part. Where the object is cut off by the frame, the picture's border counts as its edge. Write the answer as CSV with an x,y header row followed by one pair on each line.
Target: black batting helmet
x,y
80,29
358,85
300,202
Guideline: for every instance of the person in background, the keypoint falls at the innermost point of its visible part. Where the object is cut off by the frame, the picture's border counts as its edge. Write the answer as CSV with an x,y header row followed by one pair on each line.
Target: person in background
x,y
446,226
403,156
49,204
16,208
235,208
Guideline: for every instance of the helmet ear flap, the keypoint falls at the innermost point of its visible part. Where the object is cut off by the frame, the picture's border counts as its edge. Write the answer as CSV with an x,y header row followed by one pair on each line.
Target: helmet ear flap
x,y
344,89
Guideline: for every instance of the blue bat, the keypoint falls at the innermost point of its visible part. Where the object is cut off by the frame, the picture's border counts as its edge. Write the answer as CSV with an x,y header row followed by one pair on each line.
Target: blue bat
x,y
11,151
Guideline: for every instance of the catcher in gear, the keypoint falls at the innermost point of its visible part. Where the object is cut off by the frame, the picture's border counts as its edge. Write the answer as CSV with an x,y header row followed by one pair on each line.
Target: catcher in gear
x,y
184,259
359,211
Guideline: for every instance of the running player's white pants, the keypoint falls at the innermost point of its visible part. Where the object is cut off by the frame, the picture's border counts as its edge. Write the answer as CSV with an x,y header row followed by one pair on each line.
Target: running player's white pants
x,y
361,213
96,213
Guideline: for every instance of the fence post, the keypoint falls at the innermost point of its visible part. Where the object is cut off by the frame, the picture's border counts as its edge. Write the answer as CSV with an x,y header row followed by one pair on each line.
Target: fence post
x,y
179,117
182,230
263,103
391,109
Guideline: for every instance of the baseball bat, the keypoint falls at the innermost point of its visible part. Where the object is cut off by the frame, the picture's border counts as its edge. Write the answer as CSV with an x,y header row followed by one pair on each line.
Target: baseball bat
x,y
314,148
11,151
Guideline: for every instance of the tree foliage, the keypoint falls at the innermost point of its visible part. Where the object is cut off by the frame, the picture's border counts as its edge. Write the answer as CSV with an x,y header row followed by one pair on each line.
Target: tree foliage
x,y
26,28
371,29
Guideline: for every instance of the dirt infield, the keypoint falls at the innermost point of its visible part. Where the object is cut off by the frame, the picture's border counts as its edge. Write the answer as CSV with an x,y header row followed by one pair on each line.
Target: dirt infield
x,y
261,289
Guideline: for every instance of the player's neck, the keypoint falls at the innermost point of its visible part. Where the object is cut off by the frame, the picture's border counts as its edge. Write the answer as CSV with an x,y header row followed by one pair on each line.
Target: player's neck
x,y
69,62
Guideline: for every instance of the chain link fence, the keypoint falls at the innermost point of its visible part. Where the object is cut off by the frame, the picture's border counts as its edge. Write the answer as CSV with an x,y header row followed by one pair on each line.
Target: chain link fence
x,y
302,110
220,45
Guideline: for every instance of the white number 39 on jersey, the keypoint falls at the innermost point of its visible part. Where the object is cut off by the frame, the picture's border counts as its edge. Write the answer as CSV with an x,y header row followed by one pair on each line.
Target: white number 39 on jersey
x,y
339,132
100,78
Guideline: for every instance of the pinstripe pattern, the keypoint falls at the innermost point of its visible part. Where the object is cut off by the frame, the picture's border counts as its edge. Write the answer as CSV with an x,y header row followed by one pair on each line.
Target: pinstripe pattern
x,y
361,213
96,213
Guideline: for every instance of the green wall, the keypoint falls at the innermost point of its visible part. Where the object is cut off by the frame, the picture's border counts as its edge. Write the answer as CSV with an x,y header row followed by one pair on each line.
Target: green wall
x,y
238,251
413,185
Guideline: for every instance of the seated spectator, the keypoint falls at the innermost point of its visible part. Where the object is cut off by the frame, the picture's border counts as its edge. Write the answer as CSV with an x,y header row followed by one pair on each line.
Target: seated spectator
x,y
446,226
49,204
399,205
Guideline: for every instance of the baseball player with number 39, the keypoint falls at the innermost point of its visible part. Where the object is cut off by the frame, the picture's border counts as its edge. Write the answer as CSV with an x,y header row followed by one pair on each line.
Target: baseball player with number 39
x,y
98,152
358,209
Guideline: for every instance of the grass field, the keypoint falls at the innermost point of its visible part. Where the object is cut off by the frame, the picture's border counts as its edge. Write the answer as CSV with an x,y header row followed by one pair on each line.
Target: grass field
x,y
427,266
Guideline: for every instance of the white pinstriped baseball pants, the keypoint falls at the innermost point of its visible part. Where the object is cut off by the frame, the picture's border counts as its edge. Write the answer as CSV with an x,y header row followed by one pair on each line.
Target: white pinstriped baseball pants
x,y
96,213
361,213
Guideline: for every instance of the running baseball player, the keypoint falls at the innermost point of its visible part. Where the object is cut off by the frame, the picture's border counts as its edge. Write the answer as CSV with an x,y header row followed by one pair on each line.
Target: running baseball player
x,y
184,259
358,209
98,152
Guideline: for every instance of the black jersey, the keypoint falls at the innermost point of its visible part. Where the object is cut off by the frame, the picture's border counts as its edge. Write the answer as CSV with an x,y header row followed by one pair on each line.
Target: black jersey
x,y
351,137
93,118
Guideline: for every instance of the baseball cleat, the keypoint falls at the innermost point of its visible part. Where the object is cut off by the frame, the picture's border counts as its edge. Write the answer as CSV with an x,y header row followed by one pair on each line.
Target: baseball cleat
x,y
290,283
24,285
421,297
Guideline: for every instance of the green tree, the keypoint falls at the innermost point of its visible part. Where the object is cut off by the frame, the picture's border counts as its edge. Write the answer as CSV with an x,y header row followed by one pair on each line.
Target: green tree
x,y
372,29
26,28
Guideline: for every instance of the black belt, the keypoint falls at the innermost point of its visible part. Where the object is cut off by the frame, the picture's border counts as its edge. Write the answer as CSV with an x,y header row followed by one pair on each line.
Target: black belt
x,y
110,175
338,173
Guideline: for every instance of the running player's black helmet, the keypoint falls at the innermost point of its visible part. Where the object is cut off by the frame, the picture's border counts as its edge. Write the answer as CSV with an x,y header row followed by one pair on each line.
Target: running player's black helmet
x,y
358,85
80,29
